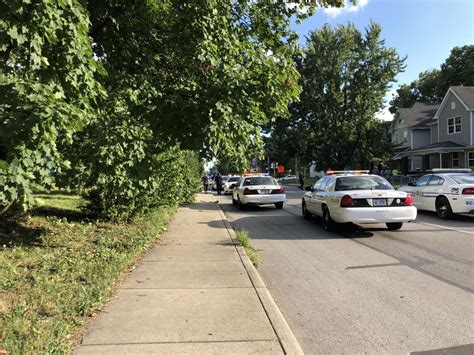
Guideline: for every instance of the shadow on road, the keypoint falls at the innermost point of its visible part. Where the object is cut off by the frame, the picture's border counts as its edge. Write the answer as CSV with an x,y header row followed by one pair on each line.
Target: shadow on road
x,y
269,223
456,217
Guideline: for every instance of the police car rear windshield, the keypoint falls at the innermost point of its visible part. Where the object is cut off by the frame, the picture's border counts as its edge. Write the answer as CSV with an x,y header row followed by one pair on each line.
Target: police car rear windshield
x,y
463,178
259,180
348,183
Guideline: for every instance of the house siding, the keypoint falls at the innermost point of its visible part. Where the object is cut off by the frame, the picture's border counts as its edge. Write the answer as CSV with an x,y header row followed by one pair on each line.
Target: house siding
x,y
464,137
421,137
467,156
434,161
434,134
398,129
472,128
415,163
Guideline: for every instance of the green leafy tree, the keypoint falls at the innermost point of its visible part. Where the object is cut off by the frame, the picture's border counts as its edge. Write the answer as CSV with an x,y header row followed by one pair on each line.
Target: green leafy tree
x,y
213,71
344,75
201,75
405,96
206,86
282,145
431,86
458,69
47,88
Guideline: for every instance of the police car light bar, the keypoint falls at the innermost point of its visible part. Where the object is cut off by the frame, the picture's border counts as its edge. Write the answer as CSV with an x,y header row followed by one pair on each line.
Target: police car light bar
x,y
352,172
442,170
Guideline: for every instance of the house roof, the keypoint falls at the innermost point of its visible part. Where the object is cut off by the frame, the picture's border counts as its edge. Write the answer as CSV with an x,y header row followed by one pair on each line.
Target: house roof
x,y
465,94
441,147
445,144
419,114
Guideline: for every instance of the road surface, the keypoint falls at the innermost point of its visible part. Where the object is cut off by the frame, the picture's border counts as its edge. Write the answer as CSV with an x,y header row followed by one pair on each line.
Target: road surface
x,y
366,289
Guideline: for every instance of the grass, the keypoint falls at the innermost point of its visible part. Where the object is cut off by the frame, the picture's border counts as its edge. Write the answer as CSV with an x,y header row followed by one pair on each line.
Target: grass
x,y
57,268
244,240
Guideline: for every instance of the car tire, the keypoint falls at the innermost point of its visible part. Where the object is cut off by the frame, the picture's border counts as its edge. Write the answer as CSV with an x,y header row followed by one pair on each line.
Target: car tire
x,y
279,205
304,210
328,223
240,204
443,208
234,201
394,226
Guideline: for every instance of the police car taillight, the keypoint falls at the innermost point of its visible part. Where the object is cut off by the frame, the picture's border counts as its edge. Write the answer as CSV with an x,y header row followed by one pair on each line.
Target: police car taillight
x,y
468,191
247,191
347,201
408,200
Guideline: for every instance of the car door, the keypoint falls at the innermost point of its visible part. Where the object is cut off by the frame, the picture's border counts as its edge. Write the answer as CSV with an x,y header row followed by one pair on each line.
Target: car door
x,y
319,196
309,196
236,192
432,191
420,188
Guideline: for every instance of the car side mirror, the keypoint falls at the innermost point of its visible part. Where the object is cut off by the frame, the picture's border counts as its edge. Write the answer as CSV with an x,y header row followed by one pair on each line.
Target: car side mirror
x,y
412,183
233,186
308,188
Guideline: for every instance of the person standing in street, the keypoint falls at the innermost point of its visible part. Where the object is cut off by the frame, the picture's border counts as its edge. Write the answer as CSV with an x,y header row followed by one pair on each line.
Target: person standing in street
x,y
301,178
205,183
375,170
218,180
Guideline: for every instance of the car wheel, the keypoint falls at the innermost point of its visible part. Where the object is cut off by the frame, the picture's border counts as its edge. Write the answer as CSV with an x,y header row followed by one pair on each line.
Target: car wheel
x,y
328,223
234,201
240,204
394,226
443,208
306,214
279,205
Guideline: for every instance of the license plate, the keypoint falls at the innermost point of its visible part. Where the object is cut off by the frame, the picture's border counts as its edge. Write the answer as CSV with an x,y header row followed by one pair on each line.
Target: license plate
x,y
264,191
380,202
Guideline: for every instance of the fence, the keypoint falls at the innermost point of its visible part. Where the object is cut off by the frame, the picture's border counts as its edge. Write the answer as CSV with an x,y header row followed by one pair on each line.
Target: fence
x,y
399,180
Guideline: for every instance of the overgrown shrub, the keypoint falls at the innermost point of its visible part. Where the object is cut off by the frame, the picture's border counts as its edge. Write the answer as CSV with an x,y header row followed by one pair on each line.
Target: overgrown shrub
x,y
162,179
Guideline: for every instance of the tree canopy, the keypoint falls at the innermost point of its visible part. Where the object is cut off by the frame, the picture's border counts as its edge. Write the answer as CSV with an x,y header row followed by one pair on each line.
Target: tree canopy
x,y
110,86
344,76
431,86
47,90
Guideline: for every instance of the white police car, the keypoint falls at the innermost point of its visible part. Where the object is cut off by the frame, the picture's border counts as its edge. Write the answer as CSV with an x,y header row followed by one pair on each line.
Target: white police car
x,y
444,191
258,190
359,198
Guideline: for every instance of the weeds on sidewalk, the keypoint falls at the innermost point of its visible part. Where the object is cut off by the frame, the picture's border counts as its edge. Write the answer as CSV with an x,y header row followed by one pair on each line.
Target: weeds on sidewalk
x,y
244,240
57,268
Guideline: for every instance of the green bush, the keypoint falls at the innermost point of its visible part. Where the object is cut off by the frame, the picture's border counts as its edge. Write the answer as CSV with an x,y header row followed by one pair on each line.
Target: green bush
x,y
163,179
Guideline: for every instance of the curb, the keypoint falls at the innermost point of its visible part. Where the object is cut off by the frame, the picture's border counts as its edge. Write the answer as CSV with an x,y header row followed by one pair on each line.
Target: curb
x,y
282,330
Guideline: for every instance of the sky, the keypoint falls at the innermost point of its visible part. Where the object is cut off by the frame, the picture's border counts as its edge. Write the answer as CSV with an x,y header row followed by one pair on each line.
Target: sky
x,y
424,31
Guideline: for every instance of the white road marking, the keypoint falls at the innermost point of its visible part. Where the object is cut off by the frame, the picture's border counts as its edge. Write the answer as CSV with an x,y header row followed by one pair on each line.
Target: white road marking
x,y
444,227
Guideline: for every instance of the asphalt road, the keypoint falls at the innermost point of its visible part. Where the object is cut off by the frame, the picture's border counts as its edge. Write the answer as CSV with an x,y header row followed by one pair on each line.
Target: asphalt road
x,y
366,289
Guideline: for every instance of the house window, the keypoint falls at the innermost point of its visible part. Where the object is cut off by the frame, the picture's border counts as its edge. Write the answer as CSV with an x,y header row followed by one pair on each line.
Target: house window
x,y
454,124
471,159
405,135
455,160
453,105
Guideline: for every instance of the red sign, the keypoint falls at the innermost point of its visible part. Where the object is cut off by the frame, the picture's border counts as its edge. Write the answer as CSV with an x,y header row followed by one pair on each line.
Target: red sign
x,y
280,169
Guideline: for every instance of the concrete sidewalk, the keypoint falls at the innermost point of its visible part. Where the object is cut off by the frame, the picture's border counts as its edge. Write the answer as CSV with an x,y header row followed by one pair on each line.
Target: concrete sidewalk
x,y
195,292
